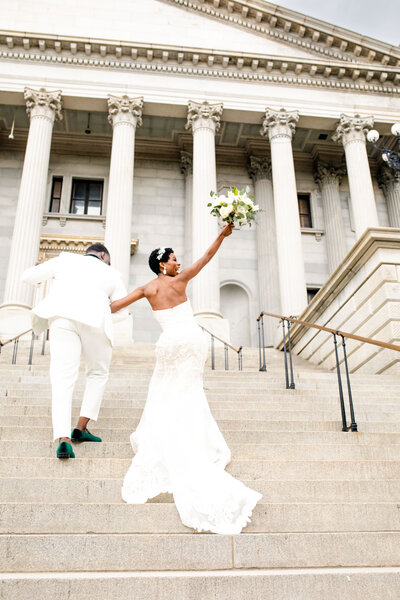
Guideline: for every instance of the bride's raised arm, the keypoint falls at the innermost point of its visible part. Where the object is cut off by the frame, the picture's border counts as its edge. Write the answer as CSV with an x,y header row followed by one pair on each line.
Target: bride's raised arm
x,y
196,267
127,300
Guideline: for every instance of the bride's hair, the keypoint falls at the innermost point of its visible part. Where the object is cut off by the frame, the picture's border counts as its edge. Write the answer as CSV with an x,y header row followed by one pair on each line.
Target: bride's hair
x,y
158,256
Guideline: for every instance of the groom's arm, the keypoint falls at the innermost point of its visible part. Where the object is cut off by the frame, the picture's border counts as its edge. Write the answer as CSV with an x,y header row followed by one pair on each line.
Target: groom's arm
x,y
197,266
39,273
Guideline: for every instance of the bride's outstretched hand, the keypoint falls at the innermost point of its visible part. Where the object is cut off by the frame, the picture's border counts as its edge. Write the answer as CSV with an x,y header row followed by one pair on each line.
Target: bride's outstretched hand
x,y
227,230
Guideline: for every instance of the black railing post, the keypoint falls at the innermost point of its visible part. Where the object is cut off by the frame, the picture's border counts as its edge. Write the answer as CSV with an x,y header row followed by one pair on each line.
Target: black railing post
x,y
285,355
263,366
259,343
45,334
240,359
292,385
31,349
226,358
212,354
15,351
353,425
339,376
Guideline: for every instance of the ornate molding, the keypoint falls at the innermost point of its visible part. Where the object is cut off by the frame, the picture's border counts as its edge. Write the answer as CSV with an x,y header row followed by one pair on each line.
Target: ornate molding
x,y
326,174
125,110
204,115
53,245
279,123
284,25
186,163
388,179
352,128
41,103
189,62
259,168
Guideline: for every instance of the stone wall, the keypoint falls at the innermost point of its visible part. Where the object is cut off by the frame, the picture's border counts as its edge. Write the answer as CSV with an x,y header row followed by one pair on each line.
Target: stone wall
x,y
361,297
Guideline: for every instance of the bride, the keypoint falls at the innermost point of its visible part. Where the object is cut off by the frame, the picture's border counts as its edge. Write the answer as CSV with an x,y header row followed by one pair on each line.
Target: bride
x,y
178,446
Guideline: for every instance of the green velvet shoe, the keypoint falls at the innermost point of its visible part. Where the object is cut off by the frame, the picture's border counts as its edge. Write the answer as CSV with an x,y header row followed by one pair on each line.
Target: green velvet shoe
x,y
64,450
83,436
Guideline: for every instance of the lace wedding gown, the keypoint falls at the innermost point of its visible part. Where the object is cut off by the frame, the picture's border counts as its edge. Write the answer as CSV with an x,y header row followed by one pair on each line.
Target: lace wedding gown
x,y
178,445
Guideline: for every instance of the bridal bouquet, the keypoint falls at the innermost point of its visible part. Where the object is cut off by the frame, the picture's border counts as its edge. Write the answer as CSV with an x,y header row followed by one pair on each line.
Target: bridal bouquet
x,y
236,207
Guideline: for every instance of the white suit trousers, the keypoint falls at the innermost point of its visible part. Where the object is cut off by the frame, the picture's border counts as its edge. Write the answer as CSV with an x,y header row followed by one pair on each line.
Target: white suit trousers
x,y
68,339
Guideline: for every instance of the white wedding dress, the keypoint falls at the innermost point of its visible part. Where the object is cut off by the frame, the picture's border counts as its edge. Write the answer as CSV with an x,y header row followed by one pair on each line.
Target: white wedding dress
x,y
178,445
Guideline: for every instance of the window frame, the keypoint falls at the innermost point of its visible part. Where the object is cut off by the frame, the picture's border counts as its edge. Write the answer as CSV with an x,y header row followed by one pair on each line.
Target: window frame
x,y
86,201
310,212
55,179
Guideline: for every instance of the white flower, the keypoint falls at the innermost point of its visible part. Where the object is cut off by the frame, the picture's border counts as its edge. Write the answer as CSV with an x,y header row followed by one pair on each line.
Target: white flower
x,y
225,211
256,207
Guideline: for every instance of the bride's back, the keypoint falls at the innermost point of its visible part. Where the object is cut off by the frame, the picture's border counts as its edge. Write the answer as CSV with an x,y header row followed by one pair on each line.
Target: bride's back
x,y
165,293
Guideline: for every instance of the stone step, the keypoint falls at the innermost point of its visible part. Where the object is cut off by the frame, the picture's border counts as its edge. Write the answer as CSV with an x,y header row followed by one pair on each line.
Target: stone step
x,y
264,436
23,518
243,469
155,552
128,407
248,584
63,489
244,451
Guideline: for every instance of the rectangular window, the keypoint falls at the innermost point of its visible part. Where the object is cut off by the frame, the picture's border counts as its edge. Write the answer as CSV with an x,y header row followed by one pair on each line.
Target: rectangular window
x,y
55,199
304,210
86,197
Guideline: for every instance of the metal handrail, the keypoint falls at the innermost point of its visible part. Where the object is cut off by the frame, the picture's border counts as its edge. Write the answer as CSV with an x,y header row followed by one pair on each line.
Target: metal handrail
x,y
352,336
335,333
226,346
16,337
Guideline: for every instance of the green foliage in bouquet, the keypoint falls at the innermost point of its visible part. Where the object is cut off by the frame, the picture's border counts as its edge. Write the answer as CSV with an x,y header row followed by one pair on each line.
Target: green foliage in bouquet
x,y
237,207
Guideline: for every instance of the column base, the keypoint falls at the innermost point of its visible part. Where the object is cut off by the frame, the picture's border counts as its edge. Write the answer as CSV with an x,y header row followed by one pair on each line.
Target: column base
x,y
214,323
123,331
14,320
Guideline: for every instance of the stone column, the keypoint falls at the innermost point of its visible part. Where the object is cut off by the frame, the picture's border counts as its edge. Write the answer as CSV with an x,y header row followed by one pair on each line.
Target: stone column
x,y
351,133
389,182
329,177
125,114
187,171
268,275
280,126
43,109
204,121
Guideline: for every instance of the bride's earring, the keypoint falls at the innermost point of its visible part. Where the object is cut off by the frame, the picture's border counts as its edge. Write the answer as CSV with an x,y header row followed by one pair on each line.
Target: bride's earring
x,y
165,271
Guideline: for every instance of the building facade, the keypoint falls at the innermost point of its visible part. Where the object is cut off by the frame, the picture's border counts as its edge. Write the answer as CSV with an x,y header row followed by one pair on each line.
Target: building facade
x,y
116,122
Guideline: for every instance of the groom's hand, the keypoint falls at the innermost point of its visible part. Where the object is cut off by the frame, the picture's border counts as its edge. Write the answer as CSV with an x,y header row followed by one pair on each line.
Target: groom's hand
x,y
227,230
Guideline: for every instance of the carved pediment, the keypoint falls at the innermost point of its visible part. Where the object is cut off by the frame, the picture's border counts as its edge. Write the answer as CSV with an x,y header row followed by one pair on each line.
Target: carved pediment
x,y
53,245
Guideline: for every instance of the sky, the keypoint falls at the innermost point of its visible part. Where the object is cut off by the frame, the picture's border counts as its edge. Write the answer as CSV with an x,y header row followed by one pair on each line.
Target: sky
x,y
379,20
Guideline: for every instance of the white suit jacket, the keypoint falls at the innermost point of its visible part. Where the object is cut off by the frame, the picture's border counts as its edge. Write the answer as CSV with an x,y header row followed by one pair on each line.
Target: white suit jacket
x,y
82,290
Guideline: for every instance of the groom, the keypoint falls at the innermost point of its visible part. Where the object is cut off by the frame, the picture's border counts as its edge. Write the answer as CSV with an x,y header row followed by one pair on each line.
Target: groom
x,y
77,312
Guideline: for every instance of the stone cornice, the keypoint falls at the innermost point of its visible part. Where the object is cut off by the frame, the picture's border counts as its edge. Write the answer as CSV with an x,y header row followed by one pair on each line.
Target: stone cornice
x,y
296,29
174,60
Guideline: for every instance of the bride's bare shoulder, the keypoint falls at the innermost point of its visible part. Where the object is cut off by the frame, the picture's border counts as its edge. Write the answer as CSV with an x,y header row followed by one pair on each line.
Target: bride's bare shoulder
x,y
151,287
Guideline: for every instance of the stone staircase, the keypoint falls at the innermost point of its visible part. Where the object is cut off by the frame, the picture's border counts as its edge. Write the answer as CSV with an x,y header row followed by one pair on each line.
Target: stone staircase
x,y
327,526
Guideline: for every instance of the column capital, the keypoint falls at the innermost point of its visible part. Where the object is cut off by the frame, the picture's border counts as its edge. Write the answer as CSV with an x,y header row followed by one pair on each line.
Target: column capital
x,y
325,173
352,128
259,168
279,123
388,179
122,109
203,115
186,163
41,103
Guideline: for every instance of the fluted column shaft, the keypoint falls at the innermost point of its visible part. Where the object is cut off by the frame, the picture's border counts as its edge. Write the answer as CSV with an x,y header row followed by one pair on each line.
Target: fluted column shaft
x,y
351,133
204,119
124,116
279,126
329,177
187,171
268,274
389,181
43,108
